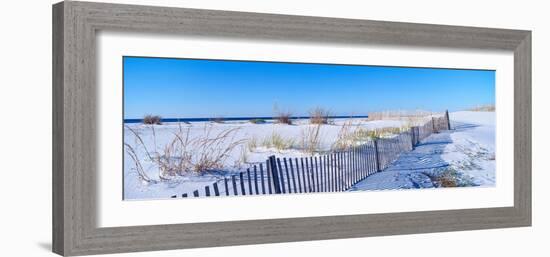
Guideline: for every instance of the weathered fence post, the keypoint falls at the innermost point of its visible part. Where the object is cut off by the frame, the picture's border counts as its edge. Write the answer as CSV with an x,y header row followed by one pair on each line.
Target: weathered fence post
x,y
281,176
241,180
207,190
447,118
377,159
433,125
226,187
413,136
216,190
274,174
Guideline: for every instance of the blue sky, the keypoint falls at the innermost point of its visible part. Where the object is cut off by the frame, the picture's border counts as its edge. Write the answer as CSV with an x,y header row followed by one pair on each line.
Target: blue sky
x,y
186,88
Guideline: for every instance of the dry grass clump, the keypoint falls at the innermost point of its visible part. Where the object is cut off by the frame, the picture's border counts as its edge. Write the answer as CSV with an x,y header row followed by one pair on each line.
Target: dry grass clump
x,y
447,178
483,108
344,139
141,173
278,142
319,115
183,154
311,138
214,150
152,119
284,118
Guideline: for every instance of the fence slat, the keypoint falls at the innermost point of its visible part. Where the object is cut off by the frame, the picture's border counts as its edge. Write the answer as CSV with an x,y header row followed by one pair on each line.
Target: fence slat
x,y
311,174
196,193
364,156
216,190
241,180
234,183
355,164
184,195
347,165
281,176
207,190
313,180
298,175
269,176
333,171
256,180
262,178
327,173
376,154
337,172
226,187
323,164
342,174
351,165
289,180
448,120
274,174
317,175
249,181
341,171
304,176
293,176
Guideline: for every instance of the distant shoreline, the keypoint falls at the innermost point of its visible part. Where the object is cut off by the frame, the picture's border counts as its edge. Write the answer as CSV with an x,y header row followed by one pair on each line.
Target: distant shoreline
x,y
240,118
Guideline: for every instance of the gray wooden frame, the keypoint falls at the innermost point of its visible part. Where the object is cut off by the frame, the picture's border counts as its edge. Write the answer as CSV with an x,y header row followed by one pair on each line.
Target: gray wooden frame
x,y
74,130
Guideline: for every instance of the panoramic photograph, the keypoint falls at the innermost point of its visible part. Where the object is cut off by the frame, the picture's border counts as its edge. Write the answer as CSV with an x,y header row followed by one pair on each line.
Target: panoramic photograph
x,y
228,128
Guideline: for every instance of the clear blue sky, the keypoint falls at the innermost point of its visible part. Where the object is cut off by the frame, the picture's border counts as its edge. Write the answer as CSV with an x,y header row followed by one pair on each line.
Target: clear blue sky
x,y
184,88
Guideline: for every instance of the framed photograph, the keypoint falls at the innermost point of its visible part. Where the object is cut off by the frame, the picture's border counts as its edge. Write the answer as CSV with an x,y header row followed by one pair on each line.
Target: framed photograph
x,y
183,128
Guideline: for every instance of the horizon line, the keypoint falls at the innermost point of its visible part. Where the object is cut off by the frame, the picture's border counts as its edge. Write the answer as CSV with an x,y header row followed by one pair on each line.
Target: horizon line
x,y
195,119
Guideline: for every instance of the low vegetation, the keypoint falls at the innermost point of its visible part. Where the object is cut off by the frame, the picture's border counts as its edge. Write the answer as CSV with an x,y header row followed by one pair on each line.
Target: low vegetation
x,y
344,139
319,115
277,141
257,121
450,177
351,135
152,120
252,144
284,118
311,138
183,154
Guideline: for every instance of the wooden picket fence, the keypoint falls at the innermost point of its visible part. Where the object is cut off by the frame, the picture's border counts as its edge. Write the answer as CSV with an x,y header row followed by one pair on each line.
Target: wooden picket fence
x,y
333,172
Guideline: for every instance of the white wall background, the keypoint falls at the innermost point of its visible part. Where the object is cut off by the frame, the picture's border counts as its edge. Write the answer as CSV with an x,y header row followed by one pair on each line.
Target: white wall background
x,y
25,132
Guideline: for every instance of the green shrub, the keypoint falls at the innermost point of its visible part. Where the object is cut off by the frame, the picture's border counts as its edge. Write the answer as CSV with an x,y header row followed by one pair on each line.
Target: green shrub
x,y
257,121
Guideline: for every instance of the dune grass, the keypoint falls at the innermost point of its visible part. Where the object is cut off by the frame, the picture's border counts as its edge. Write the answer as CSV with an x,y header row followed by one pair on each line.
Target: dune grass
x,y
278,141
183,154
319,115
353,134
311,138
